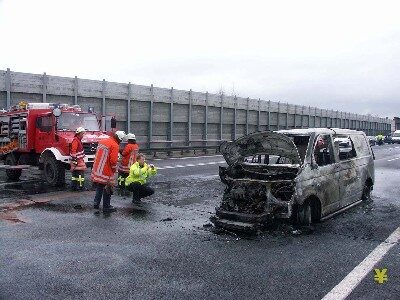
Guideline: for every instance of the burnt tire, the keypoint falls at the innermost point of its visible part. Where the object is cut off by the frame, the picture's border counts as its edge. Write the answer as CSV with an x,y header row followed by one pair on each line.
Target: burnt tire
x,y
366,195
12,161
53,171
304,214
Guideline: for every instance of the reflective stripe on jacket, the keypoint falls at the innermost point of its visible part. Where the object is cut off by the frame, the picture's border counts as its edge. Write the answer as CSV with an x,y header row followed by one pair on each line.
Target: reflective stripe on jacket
x,y
128,157
105,161
139,174
77,155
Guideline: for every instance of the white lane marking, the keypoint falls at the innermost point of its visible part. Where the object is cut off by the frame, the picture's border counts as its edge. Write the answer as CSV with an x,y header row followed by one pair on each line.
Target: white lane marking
x,y
350,282
187,157
191,165
394,159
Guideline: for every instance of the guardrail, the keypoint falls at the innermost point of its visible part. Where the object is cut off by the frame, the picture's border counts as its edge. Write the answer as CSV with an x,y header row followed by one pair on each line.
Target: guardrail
x,y
182,149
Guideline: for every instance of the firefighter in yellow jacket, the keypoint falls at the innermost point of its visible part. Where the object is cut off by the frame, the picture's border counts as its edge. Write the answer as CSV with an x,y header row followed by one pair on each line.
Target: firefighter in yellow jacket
x,y
138,175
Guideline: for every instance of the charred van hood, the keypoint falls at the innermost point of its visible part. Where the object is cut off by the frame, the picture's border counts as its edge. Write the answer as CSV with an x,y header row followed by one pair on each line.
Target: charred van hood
x,y
267,142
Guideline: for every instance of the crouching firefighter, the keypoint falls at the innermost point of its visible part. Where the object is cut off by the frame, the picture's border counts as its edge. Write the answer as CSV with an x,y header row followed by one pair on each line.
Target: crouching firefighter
x,y
136,181
128,154
78,165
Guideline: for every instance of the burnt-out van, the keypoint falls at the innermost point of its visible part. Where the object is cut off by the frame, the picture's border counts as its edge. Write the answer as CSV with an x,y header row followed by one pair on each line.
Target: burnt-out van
x,y
299,174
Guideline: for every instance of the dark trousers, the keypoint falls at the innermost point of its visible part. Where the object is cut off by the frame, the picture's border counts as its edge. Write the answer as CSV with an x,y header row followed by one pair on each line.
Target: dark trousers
x,y
121,182
140,190
101,192
78,180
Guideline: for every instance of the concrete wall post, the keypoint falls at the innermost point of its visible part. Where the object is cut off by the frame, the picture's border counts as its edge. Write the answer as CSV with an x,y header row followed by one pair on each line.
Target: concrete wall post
x,y
8,88
76,90
150,135
221,118
278,119
234,119
189,138
287,115
269,115
247,115
206,120
171,117
128,111
44,83
259,116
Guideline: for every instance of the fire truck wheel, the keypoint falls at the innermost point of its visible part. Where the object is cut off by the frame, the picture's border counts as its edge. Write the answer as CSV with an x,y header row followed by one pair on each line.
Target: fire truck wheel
x,y
53,170
12,161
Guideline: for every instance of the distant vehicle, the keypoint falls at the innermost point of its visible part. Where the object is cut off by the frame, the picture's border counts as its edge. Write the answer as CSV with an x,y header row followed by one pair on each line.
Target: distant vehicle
x,y
388,139
299,174
371,140
396,137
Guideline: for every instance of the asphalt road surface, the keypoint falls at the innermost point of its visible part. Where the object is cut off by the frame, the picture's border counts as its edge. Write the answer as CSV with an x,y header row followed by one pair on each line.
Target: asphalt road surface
x,y
64,250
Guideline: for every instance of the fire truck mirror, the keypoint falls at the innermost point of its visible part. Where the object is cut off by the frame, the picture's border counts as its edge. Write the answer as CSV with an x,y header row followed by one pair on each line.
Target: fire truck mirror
x,y
113,123
57,112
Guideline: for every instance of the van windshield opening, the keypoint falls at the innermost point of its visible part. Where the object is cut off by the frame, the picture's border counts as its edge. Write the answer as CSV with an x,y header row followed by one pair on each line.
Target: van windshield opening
x,y
70,121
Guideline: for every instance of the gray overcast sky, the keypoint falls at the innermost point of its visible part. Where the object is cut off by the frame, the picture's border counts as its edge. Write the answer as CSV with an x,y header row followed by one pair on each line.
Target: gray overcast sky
x,y
332,54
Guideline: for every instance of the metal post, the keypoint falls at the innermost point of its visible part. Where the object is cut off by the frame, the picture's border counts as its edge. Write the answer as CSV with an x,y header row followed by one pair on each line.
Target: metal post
x,y
76,90
287,115
190,118
103,95
44,81
259,116
128,117
171,117
150,137
206,120
234,119
269,115
221,117
309,116
279,112
294,116
302,116
247,116
8,88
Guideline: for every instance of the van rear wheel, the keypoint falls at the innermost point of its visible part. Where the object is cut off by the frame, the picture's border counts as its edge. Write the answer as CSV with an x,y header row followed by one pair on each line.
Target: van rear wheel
x,y
366,195
304,214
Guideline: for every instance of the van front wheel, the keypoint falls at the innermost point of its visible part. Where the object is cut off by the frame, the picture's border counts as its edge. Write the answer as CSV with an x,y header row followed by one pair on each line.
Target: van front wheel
x,y
304,215
366,195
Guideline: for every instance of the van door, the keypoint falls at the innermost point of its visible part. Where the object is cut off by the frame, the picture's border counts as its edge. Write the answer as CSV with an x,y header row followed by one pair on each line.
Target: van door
x,y
350,174
326,174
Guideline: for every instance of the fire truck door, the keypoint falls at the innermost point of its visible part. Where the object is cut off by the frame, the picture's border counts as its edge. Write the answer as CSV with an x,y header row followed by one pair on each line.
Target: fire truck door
x,y
44,133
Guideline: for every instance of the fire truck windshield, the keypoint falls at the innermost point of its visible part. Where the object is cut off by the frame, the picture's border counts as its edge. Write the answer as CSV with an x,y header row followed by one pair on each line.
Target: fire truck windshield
x,y
69,121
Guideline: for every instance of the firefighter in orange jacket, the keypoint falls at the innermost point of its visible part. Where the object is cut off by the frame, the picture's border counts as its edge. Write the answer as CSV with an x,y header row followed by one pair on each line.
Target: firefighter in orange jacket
x,y
77,163
128,159
104,168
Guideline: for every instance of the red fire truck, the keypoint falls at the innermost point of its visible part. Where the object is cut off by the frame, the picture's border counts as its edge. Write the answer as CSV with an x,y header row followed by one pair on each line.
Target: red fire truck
x,y
40,134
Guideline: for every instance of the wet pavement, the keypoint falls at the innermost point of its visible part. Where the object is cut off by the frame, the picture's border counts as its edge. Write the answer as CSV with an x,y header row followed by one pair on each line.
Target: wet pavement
x,y
165,249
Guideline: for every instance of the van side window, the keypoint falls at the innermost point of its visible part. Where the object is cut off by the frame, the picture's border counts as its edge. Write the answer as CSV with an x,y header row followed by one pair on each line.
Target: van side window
x,y
323,153
361,145
345,146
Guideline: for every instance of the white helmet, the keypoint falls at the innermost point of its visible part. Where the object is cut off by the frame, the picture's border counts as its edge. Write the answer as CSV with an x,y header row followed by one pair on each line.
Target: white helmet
x,y
79,130
120,134
130,136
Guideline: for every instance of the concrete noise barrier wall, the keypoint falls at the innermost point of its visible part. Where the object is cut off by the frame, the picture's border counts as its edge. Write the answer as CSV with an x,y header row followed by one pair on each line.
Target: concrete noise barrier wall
x,y
163,117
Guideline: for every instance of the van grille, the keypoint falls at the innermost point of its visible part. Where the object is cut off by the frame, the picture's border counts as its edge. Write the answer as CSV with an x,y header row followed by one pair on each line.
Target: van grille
x,y
89,148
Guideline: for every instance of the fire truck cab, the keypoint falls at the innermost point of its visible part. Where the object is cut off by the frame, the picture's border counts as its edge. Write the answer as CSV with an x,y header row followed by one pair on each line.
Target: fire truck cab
x,y
40,134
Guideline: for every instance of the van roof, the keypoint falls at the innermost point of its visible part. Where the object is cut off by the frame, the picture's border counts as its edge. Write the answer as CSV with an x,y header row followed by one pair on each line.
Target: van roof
x,y
308,131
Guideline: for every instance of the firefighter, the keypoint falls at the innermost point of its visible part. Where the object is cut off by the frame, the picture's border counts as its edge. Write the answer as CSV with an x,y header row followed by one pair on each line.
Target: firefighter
x,y
136,181
104,168
78,165
128,159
